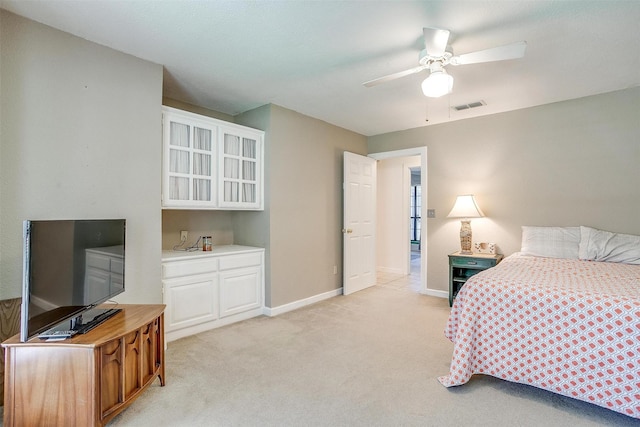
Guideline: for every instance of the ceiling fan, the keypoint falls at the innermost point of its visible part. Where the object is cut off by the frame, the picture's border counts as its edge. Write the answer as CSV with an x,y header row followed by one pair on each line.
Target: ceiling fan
x,y
436,55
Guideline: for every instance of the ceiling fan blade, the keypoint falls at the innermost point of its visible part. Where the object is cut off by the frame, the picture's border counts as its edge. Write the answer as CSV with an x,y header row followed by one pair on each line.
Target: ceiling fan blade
x,y
501,53
435,41
394,76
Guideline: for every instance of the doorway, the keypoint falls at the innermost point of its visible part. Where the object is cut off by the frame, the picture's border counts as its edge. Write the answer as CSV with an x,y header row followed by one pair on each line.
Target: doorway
x,y
419,158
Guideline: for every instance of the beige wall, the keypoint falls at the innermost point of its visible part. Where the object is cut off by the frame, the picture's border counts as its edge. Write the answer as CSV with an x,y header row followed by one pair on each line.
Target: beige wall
x,y
196,109
80,138
304,202
217,224
568,163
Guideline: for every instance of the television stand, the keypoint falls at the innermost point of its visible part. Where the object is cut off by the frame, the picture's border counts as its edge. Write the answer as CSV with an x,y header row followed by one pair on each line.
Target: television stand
x,y
89,378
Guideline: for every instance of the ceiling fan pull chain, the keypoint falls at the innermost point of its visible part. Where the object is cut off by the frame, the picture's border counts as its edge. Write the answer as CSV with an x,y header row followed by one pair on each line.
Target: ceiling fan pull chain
x,y
426,111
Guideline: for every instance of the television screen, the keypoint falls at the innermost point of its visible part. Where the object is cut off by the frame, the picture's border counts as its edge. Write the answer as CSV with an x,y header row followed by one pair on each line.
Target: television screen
x,y
69,267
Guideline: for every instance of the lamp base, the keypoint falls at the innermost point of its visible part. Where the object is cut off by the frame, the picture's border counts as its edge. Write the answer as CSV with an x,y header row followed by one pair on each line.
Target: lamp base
x,y
465,237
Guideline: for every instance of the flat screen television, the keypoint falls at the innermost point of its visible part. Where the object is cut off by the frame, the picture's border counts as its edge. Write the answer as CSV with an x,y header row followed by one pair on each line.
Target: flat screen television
x,y
69,267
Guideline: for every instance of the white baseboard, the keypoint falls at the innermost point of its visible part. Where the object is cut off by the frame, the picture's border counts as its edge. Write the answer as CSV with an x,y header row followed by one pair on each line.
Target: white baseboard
x,y
274,311
267,311
173,335
436,293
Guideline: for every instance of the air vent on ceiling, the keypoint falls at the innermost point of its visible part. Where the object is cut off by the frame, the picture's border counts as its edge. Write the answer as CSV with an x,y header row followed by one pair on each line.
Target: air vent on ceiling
x,y
469,105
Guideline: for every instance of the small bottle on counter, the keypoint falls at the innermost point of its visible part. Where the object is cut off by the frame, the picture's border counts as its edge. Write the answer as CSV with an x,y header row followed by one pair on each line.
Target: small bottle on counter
x,y
206,243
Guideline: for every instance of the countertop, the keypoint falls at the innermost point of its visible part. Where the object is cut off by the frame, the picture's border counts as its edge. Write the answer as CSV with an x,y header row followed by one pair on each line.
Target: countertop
x,y
216,251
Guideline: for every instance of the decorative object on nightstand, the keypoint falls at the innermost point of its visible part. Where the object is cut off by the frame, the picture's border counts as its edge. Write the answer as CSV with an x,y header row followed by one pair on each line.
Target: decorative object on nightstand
x,y
462,266
465,208
484,248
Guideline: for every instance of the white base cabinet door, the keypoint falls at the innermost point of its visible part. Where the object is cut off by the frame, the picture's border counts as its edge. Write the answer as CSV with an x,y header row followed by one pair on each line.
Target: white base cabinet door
x,y
191,301
240,290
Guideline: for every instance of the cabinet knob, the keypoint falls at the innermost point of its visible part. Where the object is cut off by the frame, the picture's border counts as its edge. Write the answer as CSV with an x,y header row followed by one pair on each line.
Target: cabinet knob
x,y
347,231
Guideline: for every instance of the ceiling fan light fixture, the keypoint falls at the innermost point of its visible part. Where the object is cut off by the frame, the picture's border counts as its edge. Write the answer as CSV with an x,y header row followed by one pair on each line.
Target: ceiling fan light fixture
x,y
438,83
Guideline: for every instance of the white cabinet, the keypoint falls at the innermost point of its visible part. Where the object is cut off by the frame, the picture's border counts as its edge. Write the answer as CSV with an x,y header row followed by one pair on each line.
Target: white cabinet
x,y
210,164
206,290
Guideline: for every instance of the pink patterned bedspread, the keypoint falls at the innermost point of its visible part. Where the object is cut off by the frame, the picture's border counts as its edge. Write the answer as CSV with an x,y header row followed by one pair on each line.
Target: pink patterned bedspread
x,y
568,326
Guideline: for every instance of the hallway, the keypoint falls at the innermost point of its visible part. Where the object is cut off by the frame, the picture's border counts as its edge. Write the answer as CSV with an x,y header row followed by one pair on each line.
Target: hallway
x,y
399,281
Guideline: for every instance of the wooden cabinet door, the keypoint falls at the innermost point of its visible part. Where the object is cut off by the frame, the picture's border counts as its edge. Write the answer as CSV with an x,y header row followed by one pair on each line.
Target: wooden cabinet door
x,y
111,376
149,355
132,359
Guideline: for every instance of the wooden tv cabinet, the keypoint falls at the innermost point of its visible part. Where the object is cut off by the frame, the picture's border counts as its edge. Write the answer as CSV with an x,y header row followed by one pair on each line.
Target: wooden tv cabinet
x,y
88,379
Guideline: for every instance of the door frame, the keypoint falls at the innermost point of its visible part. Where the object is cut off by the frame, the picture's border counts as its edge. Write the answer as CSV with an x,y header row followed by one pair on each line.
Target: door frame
x,y
422,152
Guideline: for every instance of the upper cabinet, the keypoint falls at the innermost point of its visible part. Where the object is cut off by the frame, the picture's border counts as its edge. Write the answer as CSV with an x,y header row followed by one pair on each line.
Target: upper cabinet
x,y
189,160
210,164
241,161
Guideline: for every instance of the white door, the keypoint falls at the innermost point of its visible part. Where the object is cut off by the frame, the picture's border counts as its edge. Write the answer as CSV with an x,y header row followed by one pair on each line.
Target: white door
x,y
359,254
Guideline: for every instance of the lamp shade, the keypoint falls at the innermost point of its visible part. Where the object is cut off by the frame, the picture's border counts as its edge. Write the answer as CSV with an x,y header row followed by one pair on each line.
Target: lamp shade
x,y
438,83
465,207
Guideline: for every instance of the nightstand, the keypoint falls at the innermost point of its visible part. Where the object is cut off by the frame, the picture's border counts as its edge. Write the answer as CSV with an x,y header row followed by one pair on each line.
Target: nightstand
x,y
462,266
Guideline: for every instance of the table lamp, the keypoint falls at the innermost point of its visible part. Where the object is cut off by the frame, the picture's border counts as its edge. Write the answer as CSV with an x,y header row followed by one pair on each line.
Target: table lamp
x,y
465,208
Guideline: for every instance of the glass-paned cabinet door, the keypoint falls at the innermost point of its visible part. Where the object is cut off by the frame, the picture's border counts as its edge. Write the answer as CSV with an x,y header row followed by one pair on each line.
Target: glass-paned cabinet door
x,y
189,161
241,181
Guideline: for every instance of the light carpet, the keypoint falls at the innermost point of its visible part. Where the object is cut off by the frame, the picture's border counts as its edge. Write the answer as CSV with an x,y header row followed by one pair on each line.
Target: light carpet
x,y
367,359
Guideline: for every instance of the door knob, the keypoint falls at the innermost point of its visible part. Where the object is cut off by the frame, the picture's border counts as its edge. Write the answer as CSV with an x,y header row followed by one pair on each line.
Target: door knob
x,y
347,230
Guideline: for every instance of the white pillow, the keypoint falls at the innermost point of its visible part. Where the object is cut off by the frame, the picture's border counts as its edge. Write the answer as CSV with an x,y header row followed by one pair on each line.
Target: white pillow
x,y
550,242
599,245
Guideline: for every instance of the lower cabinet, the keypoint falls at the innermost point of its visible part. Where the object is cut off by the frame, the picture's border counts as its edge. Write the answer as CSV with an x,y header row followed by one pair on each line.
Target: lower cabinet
x,y
204,290
240,290
191,300
88,379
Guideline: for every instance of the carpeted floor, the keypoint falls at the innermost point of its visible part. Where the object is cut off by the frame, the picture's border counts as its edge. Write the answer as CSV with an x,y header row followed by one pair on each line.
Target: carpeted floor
x,y
368,359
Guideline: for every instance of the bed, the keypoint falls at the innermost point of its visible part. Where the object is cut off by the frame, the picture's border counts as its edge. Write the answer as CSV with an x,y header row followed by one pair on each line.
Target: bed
x,y
568,323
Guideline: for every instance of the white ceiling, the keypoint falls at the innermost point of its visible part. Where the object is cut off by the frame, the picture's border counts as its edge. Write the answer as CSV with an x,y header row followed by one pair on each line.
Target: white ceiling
x,y
313,56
